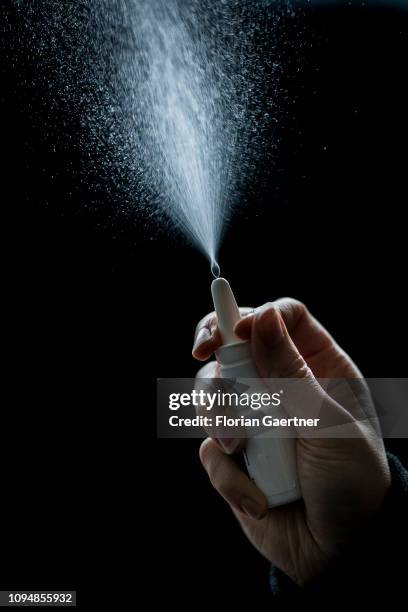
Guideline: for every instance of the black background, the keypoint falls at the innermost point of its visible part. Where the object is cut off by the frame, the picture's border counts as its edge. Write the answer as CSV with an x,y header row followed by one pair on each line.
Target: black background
x,y
96,308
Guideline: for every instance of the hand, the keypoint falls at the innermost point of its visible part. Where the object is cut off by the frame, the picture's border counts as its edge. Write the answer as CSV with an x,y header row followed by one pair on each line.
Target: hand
x,y
343,480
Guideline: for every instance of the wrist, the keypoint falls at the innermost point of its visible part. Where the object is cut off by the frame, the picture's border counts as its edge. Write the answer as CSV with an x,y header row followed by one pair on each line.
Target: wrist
x,y
367,559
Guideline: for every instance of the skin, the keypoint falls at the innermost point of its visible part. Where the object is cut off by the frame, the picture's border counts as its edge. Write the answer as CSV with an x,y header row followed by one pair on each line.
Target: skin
x,y
343,480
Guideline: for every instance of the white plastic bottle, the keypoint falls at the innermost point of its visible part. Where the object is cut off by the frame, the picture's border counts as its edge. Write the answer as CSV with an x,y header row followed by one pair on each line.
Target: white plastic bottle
x,y
271,462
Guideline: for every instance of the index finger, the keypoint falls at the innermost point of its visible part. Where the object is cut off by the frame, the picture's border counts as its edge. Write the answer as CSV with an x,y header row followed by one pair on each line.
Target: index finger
x,y
309,336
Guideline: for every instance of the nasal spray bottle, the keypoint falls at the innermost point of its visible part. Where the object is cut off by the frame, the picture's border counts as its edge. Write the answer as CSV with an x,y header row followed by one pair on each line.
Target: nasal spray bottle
x,y
271,462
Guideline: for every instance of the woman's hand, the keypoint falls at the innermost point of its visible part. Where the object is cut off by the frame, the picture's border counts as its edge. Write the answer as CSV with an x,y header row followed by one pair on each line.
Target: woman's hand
x,y
343,480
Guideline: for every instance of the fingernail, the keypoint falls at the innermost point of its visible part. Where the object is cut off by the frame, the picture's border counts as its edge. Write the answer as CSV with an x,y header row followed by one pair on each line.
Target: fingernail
x,y
270,327
202,336
252,508
228,444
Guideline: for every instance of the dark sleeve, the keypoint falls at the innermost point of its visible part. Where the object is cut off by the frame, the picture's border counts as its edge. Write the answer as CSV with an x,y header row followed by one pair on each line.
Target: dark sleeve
x,y
376,564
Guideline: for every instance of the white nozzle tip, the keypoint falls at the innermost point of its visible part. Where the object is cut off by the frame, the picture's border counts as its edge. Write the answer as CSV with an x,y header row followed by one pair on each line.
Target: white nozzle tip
x,y
226,308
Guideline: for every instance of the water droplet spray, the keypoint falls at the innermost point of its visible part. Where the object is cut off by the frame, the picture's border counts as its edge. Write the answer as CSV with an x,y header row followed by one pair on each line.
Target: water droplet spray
x,y
194,141
215,269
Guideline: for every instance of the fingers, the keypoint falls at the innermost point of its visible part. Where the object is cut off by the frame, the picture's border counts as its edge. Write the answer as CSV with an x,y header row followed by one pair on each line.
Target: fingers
x,y
274,351
207,337
277,357
308,335
231,483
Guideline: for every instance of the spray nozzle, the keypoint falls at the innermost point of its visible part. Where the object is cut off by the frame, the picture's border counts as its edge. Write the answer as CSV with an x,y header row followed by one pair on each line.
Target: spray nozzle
x,y
215,269
226,308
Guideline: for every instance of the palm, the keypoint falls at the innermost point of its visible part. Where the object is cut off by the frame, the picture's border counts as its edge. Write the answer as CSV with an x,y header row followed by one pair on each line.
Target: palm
x,y
301,537
284,538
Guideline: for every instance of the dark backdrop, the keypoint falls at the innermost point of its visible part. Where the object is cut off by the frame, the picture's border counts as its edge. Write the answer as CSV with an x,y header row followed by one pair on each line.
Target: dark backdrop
x,y
95,309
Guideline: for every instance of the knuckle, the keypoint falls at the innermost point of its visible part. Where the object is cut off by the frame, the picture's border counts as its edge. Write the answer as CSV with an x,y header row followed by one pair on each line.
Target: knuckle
x,y
295,368
215,464
225,490
293,311
208,321
215,471
293,305
205,452
220,481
